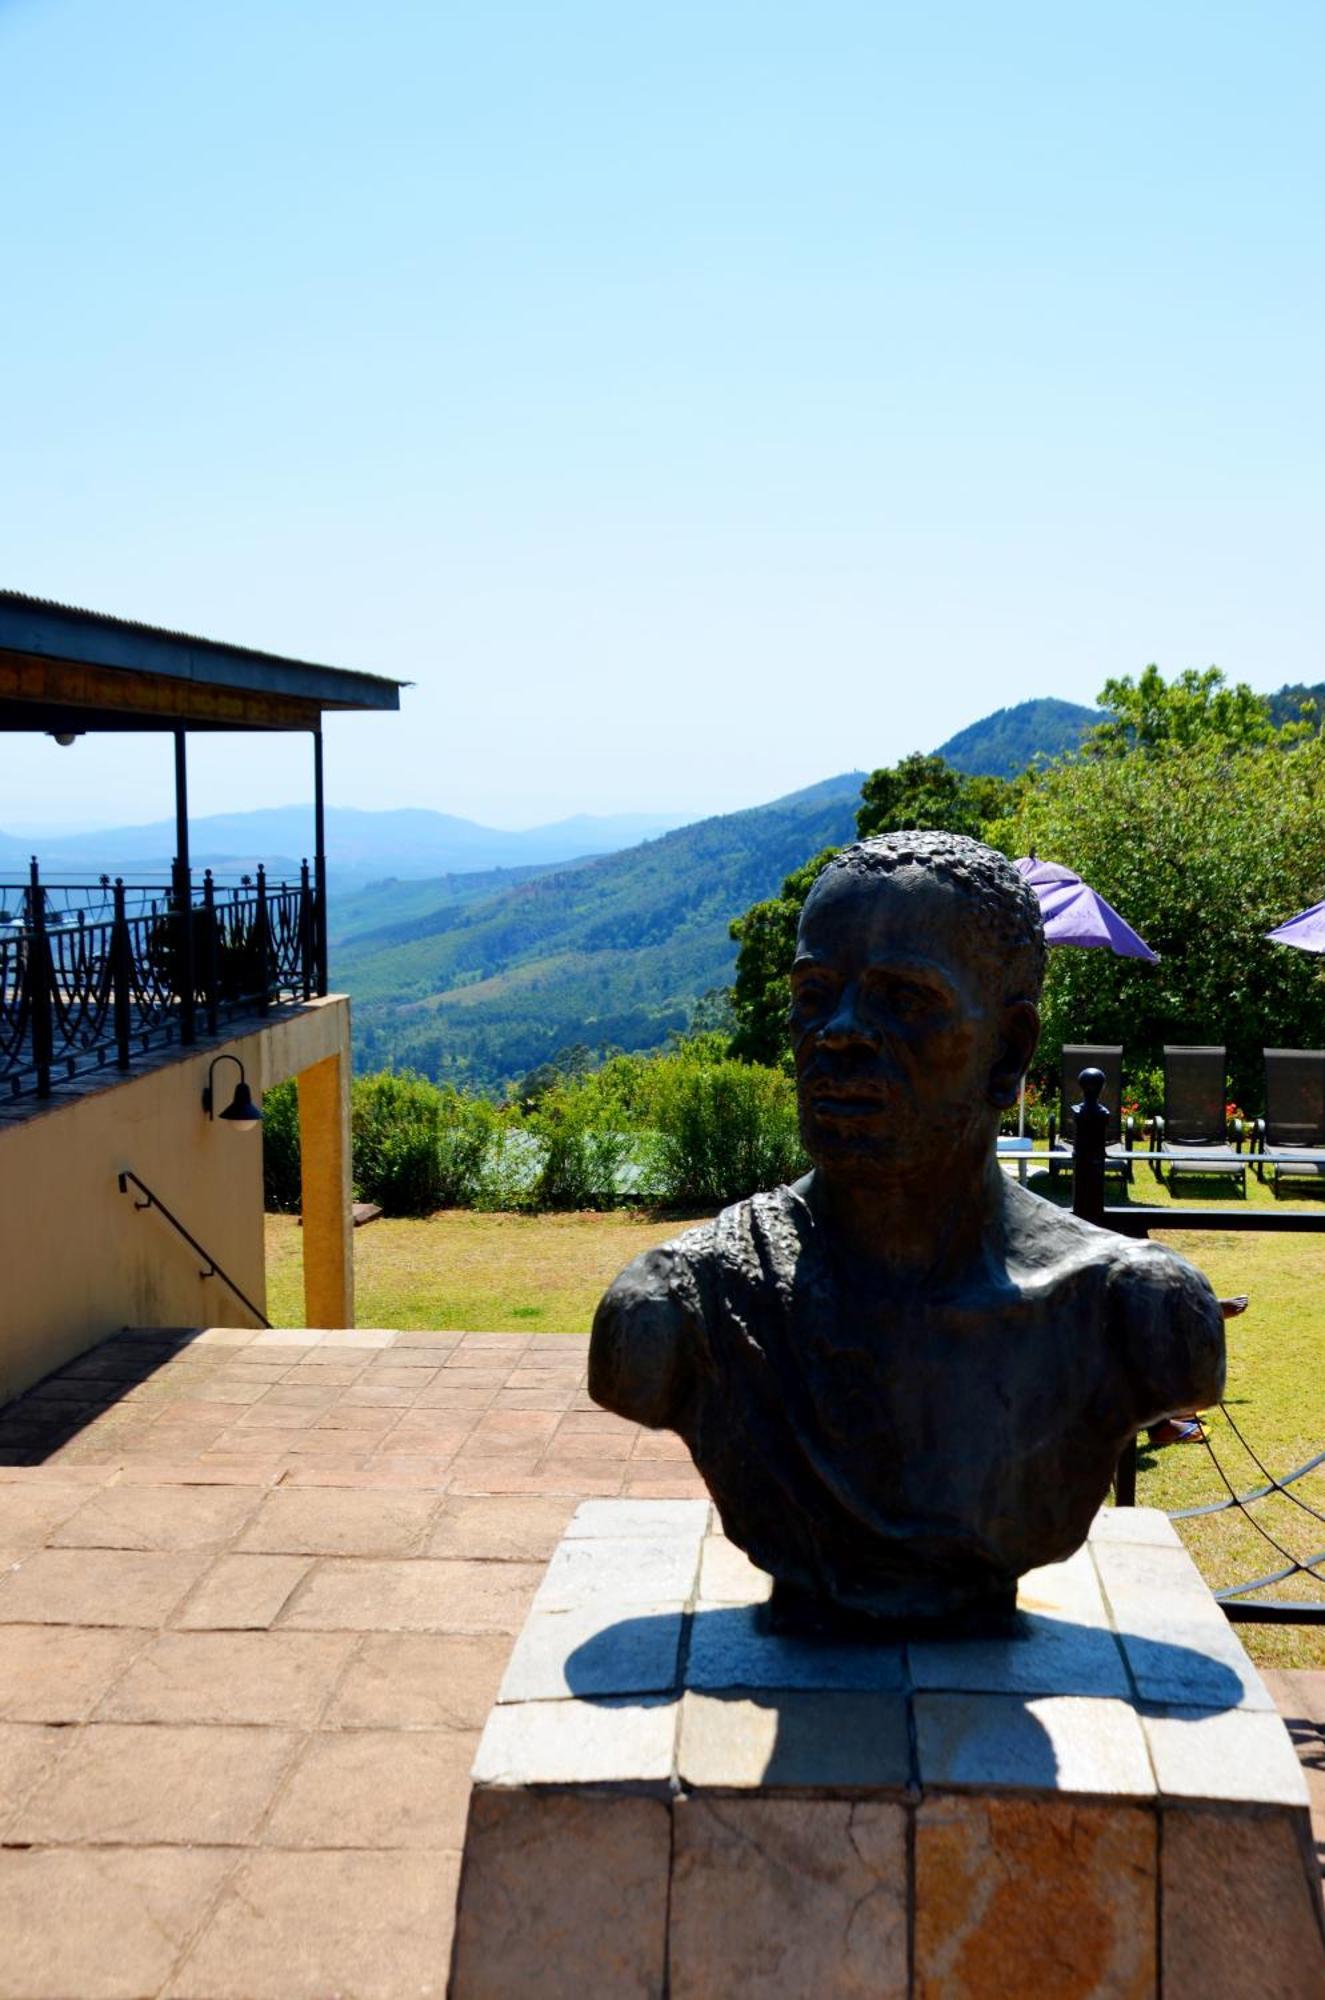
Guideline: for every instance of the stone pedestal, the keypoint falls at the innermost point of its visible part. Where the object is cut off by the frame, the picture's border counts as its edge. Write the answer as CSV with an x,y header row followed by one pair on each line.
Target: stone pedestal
x,y
668,1801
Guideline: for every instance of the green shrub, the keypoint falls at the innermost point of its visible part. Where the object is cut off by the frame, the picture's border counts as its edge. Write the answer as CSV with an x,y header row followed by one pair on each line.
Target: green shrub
x,y
719,1130
469,1143
584,1144
282,1189
418,1148
395,1120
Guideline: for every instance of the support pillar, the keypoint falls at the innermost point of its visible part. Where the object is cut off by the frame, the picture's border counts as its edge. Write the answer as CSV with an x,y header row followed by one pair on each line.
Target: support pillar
x,y
324,1143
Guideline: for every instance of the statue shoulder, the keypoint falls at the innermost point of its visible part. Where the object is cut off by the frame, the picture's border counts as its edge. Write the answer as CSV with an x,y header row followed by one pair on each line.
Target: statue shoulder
x,y
645,1330
1170,1325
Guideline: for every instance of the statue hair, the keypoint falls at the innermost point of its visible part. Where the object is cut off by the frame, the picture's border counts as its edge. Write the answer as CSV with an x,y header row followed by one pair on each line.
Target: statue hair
x,y
1005,910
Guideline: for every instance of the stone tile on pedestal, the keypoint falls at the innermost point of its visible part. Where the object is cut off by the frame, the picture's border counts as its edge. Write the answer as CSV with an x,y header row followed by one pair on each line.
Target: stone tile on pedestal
x,y
1049,1743
1031,1896
563,1896
796,1739
1233,1924
775,1897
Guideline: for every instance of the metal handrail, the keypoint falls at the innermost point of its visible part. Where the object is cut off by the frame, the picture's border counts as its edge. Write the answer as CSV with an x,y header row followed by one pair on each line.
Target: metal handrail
x,y
213,1269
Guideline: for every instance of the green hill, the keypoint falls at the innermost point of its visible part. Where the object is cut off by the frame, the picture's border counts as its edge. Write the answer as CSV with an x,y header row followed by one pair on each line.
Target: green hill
x,y
608,951
1001,744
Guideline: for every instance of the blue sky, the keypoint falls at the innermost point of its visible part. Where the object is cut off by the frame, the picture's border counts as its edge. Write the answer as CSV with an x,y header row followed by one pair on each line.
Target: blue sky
x,y
692,401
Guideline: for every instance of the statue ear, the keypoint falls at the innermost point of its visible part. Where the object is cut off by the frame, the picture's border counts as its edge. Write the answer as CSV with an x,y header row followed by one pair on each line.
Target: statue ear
x,y
1020,1033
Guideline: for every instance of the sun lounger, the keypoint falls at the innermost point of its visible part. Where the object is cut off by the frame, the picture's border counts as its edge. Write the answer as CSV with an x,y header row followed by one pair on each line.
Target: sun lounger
x,y
1294,1121
1120,1132
1195,1121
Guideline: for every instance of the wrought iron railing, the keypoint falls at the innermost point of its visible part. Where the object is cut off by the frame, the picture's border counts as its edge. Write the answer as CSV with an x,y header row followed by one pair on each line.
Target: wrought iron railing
x,y
93,973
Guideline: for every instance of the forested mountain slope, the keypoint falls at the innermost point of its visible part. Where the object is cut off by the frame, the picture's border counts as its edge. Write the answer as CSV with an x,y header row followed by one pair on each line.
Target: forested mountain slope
x,y
609,951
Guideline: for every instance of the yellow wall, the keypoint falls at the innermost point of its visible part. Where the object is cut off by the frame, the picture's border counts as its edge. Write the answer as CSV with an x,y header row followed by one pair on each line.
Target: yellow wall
x,y
77,1261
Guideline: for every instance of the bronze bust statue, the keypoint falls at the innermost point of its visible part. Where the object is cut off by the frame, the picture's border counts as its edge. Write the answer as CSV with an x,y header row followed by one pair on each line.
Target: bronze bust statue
x,y
906,1380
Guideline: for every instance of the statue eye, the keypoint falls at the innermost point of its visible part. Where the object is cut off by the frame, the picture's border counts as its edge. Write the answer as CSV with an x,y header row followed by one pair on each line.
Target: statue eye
x,y
811,993
908,1001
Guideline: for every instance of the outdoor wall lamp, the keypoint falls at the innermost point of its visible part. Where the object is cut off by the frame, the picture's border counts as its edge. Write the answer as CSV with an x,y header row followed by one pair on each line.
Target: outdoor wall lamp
x,y
241,1114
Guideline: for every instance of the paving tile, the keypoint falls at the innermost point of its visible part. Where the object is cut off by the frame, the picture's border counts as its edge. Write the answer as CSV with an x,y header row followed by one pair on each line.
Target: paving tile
x,y
230,1677
596,1649
368,1595
307,1926
57,1673
588,1878
339,1522
102,1924
145,1517
420,1680
28,1753
210,1469
644,1483
1050,1743
662,1447
496,1472
730,1648
120,1784
1010,1886
579,1742
594,1423
503,1527
511,1448
554,1398
795,1738
551,1481
1226,1753
32,1511
377,1788
773,1897
530,1424
366,1423
242,1593
98,1586
592,1450
621,1570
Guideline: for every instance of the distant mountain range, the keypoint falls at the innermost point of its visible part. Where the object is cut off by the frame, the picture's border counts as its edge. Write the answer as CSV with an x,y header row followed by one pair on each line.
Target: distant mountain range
x,y
612,951
363,846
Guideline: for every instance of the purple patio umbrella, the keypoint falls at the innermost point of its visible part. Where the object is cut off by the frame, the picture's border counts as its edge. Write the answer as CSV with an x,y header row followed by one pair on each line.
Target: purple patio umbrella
x,y
1306,930
1074,913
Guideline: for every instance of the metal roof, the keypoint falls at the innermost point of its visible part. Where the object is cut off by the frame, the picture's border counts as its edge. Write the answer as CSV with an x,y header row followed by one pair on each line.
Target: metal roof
x,y
193,681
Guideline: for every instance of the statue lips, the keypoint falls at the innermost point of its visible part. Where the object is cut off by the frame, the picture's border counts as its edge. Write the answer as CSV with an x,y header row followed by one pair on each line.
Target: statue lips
x,y
847,1097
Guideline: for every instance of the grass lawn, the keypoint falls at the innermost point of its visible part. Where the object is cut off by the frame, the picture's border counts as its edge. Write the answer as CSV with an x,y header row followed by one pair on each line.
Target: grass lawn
x,y
489,1273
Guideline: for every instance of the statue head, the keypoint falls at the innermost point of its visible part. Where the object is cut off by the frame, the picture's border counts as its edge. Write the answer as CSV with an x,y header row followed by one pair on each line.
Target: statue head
x,y
919,962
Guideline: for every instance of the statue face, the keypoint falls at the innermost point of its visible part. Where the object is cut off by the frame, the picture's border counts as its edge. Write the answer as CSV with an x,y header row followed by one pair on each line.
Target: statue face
x,y
904,1047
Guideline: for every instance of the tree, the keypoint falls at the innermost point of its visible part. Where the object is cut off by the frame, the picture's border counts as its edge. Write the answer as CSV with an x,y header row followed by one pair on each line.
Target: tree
x,y
1203,841
927,791
1152,714
761,995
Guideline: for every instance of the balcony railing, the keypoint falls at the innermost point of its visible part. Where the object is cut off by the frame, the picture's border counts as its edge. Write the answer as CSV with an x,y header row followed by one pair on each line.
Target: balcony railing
x,y
94,973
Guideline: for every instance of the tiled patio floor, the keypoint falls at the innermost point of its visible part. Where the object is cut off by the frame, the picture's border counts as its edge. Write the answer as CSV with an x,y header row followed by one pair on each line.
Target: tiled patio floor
x,y
256,1594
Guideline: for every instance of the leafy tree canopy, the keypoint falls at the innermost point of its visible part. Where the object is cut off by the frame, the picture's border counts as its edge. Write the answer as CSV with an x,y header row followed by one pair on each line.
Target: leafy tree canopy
x,y
927,791
1198,707
1203,845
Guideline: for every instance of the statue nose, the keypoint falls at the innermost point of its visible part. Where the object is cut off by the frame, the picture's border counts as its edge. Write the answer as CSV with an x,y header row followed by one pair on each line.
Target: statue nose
x,y
846,1023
